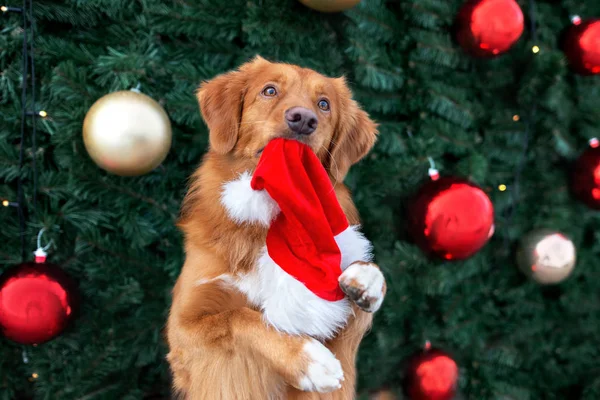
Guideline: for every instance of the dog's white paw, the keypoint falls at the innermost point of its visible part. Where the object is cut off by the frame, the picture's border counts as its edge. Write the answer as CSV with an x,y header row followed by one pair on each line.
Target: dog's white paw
x,y
324,373
364,284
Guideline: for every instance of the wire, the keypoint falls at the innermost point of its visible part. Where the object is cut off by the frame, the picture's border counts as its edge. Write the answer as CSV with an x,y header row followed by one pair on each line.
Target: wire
x,y
20,196
34,116
532,19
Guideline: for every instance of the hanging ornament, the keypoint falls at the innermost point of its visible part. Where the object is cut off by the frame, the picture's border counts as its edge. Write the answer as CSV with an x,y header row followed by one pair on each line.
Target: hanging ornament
x,y
582,45
487,28
330,5
37,301
451,217
547,256
431,375
585,176
127,133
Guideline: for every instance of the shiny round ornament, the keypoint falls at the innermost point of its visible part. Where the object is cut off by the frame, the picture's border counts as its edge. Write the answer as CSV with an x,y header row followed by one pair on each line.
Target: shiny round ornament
x,y
37,302
431,375
487,28
547,256
127,133
585,177
330,5
451,217
582,46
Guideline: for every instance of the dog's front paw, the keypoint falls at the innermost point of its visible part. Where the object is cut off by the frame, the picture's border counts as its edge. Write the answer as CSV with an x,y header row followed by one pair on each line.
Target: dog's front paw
x,y
364,284
324,372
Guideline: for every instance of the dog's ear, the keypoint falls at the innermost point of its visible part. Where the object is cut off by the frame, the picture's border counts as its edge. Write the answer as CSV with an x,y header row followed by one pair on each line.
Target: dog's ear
x,y
354,136
221,102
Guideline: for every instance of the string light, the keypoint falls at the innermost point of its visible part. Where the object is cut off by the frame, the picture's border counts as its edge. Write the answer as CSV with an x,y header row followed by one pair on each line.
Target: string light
x,y
502,187
535,49
594,143
41,113
6,9
576,20
34,375
516,117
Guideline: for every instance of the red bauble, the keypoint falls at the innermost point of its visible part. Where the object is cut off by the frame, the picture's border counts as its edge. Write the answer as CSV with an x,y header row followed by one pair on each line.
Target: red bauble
x,y
582,46
585,178
451,218
487,28
431,375
37,301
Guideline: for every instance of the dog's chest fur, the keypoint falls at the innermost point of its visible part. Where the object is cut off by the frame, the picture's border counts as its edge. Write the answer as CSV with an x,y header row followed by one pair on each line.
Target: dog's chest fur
x,y
286,303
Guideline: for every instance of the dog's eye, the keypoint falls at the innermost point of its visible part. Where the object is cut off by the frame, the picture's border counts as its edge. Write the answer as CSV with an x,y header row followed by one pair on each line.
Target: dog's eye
x,y
269,91
323,105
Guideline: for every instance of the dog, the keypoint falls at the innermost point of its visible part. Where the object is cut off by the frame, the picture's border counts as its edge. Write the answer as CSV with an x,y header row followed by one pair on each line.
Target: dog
x,y
232,334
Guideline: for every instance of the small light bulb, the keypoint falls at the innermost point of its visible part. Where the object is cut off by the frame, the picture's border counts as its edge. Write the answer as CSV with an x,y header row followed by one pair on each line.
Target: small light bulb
x,y
516,117
535,49
34,375
4,9
5,203
502,187
594,143
43,114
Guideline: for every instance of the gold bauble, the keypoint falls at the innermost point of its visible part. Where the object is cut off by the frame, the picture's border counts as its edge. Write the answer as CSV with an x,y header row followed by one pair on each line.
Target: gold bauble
x,y
547,256
127,133
330,5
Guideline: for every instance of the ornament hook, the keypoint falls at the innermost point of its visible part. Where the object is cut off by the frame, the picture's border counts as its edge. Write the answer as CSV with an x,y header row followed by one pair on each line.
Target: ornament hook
x,y
137,88
40,252
434,174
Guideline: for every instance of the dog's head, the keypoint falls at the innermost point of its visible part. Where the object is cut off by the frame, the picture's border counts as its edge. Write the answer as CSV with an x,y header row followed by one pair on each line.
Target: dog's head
x,y
246,108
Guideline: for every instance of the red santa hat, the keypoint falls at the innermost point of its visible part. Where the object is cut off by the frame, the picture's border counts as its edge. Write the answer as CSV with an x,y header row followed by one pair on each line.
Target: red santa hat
x,y
309,236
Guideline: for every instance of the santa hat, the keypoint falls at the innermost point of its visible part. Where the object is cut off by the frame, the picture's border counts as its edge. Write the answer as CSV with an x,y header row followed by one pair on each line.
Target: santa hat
x,y
309,236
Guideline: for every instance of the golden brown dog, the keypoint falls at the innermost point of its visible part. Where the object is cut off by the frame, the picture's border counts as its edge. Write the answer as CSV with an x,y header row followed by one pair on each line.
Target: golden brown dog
x,y
239,327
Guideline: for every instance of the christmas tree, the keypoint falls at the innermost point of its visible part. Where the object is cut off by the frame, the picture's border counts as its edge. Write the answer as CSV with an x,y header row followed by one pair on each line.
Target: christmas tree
x,y
511,124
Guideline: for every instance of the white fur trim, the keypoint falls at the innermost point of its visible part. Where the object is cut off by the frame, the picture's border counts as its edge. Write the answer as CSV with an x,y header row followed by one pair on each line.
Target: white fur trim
x,y
244,204
288,305
324,373
354,246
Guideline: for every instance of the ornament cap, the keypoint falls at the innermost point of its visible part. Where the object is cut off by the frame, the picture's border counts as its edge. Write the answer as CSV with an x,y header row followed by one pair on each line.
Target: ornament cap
x,y
434,174
40,255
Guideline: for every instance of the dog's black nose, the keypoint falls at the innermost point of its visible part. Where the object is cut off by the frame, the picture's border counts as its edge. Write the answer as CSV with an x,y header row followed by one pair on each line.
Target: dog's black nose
x,y
301,120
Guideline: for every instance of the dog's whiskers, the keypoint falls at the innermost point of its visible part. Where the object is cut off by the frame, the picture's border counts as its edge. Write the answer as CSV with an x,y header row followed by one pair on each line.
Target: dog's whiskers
x,y
333,162
253,122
